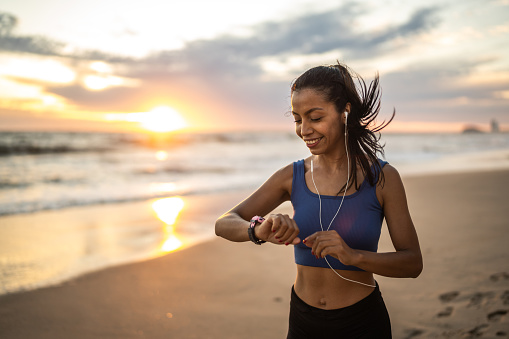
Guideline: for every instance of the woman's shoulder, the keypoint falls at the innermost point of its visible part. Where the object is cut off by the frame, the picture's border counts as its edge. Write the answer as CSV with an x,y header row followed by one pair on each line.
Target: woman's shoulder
x,y
373,165
391,186
389,170
288,169
285,172
281,181
392,179
284,175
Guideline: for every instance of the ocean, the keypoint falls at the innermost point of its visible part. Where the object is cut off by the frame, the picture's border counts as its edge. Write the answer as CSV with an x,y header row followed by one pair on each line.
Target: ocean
x,y
43,171
50,171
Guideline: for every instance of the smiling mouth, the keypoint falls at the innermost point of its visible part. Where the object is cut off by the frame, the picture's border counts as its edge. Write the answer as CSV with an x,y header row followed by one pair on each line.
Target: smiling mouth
x,y
312,142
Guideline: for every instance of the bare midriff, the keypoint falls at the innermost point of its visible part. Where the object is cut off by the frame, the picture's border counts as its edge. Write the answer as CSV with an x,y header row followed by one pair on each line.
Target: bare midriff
x,y
322,288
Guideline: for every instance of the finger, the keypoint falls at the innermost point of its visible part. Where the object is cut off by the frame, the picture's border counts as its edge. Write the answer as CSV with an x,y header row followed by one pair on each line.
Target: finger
x,y
317,247
308,243
292,232
283,227
296,231
322,239
275,223
316,243
287,237
271,223
272,228
276,226
310,240
324,246
329,250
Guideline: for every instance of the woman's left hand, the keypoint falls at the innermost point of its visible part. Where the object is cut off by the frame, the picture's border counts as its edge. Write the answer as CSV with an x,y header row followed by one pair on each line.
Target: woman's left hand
x,y
330,243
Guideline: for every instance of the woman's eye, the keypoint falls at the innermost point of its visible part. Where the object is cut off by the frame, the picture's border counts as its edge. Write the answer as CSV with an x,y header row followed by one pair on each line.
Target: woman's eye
x,y
317,119
297,121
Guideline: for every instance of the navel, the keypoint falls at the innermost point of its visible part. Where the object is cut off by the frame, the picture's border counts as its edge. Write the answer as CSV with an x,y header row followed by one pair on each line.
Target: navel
x,y
322,302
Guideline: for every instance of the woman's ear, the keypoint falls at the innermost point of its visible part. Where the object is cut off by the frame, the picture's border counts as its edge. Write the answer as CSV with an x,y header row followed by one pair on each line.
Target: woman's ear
x,y
346,111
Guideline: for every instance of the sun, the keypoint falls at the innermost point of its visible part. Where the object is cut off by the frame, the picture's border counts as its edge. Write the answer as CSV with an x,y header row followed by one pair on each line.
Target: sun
x,y
159,119
162,119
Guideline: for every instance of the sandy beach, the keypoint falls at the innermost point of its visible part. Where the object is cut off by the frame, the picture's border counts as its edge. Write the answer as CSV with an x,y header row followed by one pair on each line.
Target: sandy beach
x,y
219,289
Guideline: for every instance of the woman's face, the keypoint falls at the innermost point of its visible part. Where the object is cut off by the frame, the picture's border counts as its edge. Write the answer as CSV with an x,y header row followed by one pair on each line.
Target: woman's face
x,y
317,121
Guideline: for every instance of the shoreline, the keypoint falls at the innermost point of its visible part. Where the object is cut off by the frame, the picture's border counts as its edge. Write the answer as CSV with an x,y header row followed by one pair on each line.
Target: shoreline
x,y
472,162
102,237
154,231
216,288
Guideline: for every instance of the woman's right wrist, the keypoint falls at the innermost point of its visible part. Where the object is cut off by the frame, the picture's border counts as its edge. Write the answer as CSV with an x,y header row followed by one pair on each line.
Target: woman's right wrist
x,y
256,221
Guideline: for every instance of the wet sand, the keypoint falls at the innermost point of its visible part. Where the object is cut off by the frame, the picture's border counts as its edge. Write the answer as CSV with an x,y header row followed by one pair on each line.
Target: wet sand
x,y
219,289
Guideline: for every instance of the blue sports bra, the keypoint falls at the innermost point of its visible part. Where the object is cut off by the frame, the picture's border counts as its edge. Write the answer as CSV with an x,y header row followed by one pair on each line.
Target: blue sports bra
x,y
359,221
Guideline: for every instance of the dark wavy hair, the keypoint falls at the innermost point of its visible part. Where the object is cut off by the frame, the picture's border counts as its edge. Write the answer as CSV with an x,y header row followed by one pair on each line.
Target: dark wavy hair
x,y
336,84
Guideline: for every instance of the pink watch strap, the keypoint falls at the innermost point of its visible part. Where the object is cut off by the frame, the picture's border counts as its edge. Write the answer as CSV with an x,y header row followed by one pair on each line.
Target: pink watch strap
x,y
256,219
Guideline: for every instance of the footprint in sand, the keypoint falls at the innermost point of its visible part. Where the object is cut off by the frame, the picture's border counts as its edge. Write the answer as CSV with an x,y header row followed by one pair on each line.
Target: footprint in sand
x,y
412,333
478,298
505,298
449,296
446,312
477,331
499,276
497,315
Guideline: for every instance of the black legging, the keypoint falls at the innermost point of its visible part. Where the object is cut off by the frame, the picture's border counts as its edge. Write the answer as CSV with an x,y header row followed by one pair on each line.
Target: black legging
x,y
367,319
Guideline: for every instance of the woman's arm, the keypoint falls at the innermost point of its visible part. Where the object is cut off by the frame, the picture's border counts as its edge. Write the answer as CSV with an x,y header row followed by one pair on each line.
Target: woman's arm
x,y
277,228
405,262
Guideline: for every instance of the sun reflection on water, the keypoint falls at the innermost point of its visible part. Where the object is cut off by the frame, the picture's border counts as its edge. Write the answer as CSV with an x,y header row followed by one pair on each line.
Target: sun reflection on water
x,y
167,210
161,187
171,244
161,155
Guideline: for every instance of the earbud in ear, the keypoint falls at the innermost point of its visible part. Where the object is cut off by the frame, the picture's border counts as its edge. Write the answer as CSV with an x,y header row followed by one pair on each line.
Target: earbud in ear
x,y
346,122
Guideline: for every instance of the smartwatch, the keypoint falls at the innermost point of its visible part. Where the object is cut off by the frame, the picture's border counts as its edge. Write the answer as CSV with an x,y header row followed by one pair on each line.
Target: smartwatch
x,y
250,231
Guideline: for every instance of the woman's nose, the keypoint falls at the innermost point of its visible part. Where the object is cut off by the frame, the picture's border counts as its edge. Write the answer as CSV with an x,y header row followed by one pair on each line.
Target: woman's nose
x,y
305,128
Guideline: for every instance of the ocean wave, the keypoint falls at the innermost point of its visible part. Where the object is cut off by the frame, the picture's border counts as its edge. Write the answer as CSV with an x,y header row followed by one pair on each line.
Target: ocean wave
x,y
183,170
38,143
21,149
5,184
19,183
133,167
45,205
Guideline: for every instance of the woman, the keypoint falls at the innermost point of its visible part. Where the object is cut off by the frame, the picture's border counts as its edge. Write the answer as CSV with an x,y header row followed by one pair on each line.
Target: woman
x,y
340,195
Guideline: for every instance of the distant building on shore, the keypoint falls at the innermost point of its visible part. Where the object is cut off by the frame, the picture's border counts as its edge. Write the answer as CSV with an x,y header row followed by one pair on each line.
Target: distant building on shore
x,y
495,128
471,129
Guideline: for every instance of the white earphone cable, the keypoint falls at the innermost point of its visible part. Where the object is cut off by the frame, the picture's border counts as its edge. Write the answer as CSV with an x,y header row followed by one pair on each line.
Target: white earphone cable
x,y
341,204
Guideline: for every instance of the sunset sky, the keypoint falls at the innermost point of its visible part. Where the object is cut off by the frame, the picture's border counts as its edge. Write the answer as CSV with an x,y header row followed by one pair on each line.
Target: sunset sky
x,y
218,65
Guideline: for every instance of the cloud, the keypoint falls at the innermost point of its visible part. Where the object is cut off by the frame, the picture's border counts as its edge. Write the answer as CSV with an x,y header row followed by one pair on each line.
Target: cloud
x,y
30,44
24,44
224,77
230,55
320,33
44,46
313,33
112,99
452,90
228,67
